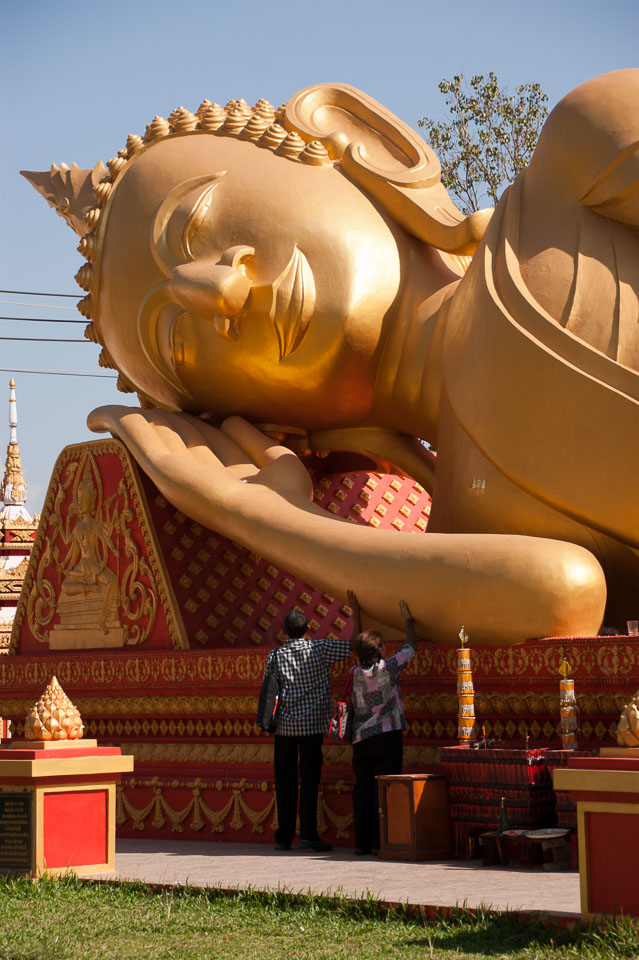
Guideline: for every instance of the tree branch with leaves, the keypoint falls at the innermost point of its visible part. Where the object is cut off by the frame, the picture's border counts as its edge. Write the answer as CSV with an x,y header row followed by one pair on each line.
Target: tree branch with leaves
x,y
489,139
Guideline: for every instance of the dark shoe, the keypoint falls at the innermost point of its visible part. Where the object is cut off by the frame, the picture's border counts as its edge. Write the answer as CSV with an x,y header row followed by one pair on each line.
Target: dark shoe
x,y
282,846
363,851
317,845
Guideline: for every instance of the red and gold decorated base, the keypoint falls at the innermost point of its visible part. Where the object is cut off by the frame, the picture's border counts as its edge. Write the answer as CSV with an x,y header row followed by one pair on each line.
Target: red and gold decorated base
x,y
606,791
176,681
73,796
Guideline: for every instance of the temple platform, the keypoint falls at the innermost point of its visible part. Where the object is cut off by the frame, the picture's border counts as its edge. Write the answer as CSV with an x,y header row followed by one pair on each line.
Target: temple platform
x,y
436,884
198,615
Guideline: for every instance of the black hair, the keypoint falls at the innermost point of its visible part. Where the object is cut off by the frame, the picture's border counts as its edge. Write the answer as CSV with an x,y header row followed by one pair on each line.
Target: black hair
x,y
295,624
368,647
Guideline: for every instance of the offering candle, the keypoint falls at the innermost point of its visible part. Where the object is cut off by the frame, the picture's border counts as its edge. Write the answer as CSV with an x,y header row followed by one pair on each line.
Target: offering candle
x,y
465,693
567,708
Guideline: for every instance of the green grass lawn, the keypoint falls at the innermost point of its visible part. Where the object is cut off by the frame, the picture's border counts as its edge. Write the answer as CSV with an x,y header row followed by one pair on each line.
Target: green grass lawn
x,y
71,920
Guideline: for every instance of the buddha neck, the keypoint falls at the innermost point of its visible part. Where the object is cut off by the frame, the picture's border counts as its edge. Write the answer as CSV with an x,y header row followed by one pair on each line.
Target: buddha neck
x,y
407,387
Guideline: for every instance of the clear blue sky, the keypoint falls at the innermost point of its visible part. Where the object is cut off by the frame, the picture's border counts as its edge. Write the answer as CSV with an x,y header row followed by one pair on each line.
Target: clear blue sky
x,y
78,77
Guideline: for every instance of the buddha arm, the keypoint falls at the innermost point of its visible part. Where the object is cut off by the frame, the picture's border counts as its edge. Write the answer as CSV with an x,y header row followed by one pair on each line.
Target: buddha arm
x,y
235,481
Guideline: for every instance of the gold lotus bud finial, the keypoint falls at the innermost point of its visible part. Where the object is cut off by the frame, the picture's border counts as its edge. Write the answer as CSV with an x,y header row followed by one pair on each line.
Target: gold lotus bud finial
x,y
53,717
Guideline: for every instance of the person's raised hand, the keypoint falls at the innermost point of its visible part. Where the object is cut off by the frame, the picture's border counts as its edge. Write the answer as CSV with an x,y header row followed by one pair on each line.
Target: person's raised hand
x,y
405,612
353,602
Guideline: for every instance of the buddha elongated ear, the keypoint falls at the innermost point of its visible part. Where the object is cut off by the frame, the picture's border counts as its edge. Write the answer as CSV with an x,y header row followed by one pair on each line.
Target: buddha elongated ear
x,y
388,159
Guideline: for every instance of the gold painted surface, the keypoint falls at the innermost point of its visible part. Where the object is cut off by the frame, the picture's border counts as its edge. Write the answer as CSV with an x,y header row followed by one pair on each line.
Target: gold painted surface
x,y
48,745
91,593
317,283
601,781
65,767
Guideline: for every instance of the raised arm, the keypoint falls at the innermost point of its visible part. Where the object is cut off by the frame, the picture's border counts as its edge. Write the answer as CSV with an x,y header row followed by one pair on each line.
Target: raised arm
x,y
357,614
409,623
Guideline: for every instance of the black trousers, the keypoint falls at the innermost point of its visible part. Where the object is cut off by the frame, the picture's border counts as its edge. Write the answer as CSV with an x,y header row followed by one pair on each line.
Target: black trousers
x,y
285,760
372,758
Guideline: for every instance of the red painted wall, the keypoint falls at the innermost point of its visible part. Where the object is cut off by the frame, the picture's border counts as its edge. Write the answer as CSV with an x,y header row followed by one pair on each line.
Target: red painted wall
x,y
613,854
75,828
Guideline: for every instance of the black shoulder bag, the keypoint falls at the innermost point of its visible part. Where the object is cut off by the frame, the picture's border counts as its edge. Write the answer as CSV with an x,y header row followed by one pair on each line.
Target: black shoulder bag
x,y
268,702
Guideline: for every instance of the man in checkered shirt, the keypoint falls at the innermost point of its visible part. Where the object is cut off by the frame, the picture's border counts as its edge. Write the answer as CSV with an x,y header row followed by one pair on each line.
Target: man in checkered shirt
x,y
303,716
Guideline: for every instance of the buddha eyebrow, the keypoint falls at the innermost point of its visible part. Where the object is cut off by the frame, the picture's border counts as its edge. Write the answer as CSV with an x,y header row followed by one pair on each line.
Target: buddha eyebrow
x,y
162,254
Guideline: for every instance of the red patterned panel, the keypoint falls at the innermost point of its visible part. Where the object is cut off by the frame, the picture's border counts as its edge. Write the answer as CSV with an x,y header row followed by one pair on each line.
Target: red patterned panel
x,y
228,595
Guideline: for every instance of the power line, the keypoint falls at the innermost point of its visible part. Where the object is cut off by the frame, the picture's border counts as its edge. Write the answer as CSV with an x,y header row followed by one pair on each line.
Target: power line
x,y
61,373
45,339
41,320
35,293
40,306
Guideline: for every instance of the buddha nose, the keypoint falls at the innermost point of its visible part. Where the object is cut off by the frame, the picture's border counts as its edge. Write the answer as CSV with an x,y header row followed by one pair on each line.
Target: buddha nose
x,y
213,288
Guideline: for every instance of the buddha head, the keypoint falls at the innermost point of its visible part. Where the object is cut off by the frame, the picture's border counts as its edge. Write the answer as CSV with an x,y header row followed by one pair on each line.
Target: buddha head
x,y
243,261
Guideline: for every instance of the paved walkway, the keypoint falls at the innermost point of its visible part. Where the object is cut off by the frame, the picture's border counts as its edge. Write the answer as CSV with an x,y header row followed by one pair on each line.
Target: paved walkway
x,y
439,883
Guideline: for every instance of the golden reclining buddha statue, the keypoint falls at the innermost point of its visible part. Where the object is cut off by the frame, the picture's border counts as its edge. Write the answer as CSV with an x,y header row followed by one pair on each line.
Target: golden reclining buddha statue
x,y
304,271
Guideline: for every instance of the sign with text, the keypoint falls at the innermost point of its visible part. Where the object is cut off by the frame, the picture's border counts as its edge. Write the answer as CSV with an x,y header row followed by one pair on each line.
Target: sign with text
x,y
16,831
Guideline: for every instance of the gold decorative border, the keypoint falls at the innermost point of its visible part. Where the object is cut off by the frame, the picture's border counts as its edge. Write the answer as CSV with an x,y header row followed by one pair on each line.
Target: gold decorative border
x,y
493,703
175,624
235,813
145,669
248,753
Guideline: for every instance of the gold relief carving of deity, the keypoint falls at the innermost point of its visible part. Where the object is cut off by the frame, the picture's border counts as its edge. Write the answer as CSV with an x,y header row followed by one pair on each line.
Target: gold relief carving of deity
x,y
93,587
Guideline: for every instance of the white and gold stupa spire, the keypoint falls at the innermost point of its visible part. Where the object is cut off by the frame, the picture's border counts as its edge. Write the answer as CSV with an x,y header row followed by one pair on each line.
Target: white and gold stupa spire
x,y
17,528
13,490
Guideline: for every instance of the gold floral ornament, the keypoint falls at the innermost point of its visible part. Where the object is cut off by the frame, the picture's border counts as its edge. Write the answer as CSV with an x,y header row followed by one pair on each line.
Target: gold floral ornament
x,y
628,726
53,717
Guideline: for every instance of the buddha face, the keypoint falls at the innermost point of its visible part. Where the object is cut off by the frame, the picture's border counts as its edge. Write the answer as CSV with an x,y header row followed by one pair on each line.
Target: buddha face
x,y
236,281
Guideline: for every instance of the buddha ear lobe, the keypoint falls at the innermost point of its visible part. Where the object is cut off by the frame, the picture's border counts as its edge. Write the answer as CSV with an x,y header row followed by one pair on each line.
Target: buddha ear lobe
x,y
351,124
386,158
